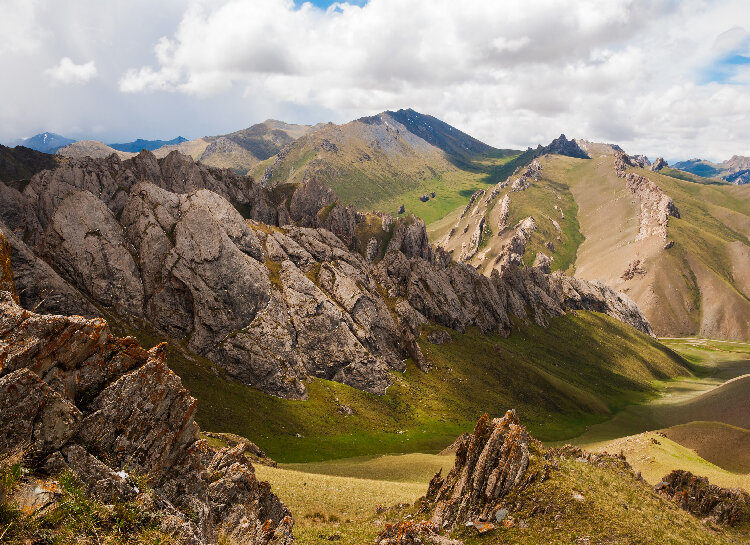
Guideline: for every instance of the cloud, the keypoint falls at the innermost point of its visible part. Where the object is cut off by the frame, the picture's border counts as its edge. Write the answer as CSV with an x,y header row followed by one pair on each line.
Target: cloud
x,y
67,72
18,27
510,73
661,77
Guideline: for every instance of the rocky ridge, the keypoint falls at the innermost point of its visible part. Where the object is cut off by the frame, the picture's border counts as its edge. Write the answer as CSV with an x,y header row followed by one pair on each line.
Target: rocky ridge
x,y
297,286
656,206
74,397
485,211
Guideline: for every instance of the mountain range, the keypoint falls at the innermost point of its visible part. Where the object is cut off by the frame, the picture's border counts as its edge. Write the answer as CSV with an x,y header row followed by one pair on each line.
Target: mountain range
x,y
686,270
735,170
679,248
377,287
46,142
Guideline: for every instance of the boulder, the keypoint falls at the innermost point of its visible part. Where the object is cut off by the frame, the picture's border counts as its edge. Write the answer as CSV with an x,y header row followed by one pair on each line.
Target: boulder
x,y
703,499
490,463
543,262
439,336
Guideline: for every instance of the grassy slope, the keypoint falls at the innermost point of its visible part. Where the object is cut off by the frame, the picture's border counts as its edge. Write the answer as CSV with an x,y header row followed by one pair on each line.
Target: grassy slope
x,y
616,508
452,190
713,363
558,387
697,286
655,456
538,201
721,444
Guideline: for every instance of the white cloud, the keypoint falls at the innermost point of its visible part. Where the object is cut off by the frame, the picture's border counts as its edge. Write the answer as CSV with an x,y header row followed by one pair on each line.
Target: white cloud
x,y
511,72
651,75
18,27
68,72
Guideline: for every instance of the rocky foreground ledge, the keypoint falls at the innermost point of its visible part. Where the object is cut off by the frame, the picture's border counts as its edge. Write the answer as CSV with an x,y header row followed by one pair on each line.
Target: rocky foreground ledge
x,y
503,478
73,397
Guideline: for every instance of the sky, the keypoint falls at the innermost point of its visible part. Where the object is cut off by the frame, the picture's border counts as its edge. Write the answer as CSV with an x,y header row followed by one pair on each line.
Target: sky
x,y
660,77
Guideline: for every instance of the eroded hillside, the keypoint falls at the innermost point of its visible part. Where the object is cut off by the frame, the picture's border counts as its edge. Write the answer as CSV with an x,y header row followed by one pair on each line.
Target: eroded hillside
x,y
678,248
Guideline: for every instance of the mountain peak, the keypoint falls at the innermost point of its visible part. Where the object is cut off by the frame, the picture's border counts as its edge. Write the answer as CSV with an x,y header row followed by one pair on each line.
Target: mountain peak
x,y
47,142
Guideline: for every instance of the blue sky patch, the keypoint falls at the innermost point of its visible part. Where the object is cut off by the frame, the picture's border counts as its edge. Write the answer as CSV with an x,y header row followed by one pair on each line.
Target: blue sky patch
x,y
724,69
325,4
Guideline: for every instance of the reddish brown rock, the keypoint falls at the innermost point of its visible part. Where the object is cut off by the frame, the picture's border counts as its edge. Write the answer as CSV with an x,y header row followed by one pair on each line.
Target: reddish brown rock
x,y
490,463
33,417
112,412
730,506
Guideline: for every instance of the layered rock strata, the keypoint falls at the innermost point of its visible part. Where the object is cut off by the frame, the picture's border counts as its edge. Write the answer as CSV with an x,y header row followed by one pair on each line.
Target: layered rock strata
x,y
74,397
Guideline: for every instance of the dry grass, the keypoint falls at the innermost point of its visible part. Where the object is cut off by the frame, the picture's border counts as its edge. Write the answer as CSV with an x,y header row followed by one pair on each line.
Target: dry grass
x,y
726,446
655,455
325,506
616,508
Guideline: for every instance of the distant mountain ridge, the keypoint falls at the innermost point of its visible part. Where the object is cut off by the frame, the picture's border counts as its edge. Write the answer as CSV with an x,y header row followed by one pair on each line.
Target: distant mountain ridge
x,y
241,150
137,145
735,170
390,161
93,149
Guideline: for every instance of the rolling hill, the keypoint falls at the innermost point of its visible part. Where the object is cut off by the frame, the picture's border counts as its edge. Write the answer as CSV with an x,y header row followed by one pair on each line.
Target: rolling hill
x,y
388,160
93,149
678,247
240,150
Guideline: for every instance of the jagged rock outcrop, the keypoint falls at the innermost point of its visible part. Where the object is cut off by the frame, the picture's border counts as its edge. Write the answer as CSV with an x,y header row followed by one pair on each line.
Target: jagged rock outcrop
x,y
6,270
656,206
476,237
699,497
642,160
75,397
562,146
502,221
512,250
457,296
290,289
251,450
659,164
490,463
527,176
543,262
476,195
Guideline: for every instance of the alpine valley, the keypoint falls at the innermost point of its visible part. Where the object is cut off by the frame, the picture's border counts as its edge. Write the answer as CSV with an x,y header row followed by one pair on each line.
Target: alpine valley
x,y
384,331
